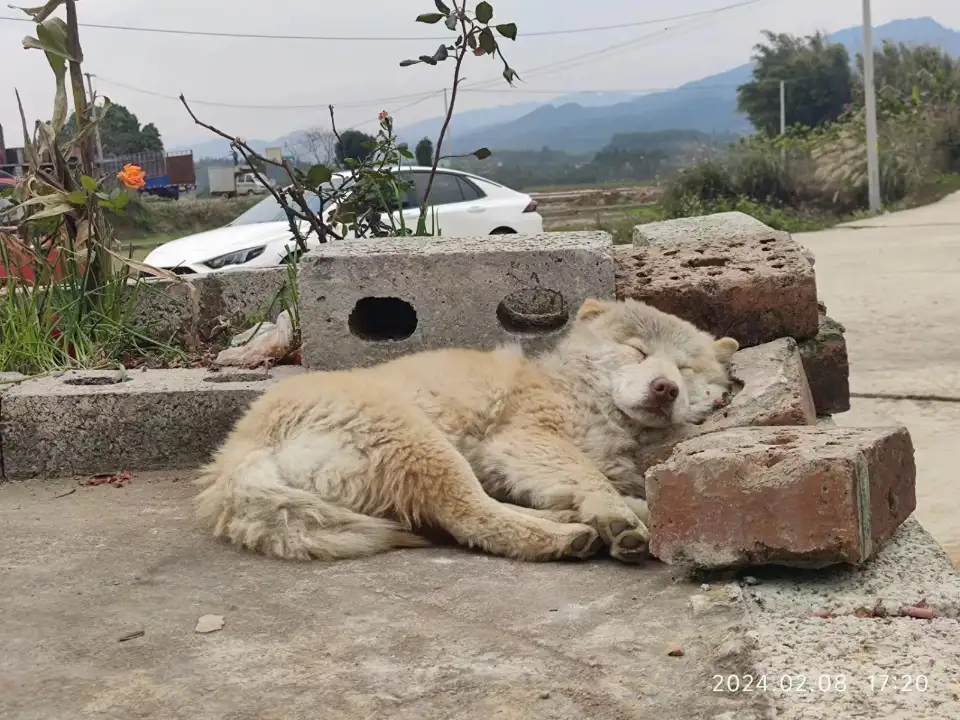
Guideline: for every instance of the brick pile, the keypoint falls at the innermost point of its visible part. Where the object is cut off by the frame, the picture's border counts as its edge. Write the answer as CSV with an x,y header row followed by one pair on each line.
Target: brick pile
x,y
741,488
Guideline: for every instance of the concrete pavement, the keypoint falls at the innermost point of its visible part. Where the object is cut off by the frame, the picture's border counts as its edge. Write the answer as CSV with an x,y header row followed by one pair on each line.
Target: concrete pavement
x,y
894,283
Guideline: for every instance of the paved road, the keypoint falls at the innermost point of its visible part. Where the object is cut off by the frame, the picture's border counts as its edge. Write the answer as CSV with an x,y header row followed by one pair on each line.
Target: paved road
x,y
894,282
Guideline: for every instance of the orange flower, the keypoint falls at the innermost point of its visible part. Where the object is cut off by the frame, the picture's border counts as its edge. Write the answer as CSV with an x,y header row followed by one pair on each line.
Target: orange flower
x,y
132,177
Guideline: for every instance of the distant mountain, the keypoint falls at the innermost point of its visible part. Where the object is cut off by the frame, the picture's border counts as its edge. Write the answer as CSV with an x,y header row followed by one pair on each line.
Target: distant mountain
x,y
708,105
585,122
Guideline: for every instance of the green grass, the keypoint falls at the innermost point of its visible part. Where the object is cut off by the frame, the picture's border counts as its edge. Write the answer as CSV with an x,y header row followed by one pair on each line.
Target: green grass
x,y
64,325
176,218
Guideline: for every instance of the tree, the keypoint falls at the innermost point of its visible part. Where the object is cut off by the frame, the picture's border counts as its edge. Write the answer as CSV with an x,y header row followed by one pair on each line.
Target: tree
x,y
905,74
424,152
319,145
121,133
817,76
351,145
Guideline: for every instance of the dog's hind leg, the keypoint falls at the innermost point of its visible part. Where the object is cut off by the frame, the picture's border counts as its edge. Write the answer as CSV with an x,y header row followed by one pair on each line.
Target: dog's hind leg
x,y
543,470
433,484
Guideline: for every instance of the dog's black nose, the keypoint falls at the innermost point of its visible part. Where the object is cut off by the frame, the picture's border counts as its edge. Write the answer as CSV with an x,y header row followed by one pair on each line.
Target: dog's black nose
x,y
664,391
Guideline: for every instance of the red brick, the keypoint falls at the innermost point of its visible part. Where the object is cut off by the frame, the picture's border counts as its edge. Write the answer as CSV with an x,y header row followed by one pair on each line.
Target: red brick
x,y
803,496
827,367
728,274
771,389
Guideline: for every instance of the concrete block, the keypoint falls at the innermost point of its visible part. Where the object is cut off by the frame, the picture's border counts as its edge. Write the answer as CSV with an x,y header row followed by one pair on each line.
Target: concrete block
x,y
770,389
92,422
167,311
728,273
362,303
803,496
828,367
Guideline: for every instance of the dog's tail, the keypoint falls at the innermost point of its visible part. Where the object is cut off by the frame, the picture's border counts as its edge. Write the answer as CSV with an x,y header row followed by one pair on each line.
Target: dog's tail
x,y
251,506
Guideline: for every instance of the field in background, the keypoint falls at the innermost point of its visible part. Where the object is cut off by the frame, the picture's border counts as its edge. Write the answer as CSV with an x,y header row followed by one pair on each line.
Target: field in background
x,y
613,209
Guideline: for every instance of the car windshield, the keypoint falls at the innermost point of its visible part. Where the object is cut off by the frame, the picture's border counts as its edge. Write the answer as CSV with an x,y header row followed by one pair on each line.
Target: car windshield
x,y
269,210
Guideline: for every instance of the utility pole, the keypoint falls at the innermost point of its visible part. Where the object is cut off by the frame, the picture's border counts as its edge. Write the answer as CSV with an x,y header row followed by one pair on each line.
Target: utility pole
x,y
783,119
446,109
93,116
870,107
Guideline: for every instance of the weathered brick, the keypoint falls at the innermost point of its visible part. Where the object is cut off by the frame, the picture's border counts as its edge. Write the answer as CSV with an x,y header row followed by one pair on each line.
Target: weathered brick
x,y
771,389
802,496
727,273
827,367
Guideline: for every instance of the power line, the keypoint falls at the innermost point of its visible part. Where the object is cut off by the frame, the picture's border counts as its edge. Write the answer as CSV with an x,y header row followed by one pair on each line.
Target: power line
x,y
333,38
634,91
577,60
310,106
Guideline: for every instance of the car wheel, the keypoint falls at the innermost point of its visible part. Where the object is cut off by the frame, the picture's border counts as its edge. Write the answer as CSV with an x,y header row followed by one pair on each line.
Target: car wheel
x,y
504,231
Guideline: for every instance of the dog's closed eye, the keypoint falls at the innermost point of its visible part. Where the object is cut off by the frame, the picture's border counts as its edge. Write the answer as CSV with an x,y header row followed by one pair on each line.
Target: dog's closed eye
x,y
637,348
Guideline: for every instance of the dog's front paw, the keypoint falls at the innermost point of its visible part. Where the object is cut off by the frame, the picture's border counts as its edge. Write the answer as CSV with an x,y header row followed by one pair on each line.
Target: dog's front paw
x,y
630,545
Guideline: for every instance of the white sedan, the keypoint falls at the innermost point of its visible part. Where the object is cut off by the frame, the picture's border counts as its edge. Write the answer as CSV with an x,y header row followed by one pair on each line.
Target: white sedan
x,y
465,205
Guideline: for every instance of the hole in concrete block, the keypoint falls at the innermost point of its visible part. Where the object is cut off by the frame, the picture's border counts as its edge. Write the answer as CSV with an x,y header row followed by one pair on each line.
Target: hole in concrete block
x,y
381,319
707,261
533,310
96,380
231,377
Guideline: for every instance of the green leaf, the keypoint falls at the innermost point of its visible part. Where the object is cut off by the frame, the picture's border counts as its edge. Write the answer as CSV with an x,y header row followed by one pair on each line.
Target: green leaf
x,y
121,201
114,194
51,38
482,153
508,30
77,197
472,41
406,153
318,175
430,18
88,183
451,23
488,43
441,7
428,59
484,12
441,54
408,63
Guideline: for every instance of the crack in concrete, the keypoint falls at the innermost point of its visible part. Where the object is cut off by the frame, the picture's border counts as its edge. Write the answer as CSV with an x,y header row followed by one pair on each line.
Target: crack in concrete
x,y
907,396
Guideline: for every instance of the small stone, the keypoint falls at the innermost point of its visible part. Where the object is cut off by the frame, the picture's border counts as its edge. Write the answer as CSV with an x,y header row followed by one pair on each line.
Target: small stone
x,y
675,651
545,695
705,586
209,624
750,580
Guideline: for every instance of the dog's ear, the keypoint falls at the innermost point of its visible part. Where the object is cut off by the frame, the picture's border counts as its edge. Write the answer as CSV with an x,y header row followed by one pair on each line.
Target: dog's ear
x,y
592,308
725,347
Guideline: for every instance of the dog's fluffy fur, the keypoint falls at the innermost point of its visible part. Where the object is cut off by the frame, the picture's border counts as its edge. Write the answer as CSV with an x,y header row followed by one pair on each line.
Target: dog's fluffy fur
x,y
335,465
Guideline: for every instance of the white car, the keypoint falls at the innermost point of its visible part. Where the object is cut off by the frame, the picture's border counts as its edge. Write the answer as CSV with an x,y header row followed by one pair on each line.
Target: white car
x,y
465,205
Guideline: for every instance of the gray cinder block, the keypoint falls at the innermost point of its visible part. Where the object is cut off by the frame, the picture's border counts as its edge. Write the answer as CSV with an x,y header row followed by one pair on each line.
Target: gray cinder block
x,y
93,422
370,301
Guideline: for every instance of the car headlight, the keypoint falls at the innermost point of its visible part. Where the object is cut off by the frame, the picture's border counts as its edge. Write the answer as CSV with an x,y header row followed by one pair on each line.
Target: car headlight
x,y
235,258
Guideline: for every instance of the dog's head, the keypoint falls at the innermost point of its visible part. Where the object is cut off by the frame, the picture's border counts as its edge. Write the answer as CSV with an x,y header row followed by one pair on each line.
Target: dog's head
x,y
658,369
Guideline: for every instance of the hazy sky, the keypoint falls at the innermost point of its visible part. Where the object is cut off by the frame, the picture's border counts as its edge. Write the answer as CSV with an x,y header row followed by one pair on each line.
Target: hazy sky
x,y
272,72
